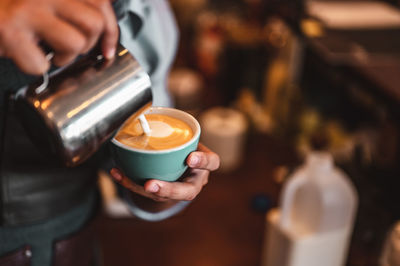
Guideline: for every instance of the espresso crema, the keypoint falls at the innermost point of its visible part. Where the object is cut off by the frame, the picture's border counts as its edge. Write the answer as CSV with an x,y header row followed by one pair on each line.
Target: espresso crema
x,y
166,132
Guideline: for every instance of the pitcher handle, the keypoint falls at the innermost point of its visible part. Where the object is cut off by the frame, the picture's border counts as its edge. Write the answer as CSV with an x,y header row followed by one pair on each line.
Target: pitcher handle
x,y
45,83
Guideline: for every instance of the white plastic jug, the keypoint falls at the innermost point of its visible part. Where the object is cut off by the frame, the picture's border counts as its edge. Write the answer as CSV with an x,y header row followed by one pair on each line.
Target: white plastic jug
x,y
314,223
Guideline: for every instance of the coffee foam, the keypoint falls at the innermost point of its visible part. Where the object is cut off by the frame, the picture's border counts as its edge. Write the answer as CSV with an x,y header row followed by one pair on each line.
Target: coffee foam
x,y
160,129
166,132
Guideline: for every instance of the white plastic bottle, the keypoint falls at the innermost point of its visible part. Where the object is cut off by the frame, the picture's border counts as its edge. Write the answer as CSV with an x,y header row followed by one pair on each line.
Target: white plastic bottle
x,y
314,223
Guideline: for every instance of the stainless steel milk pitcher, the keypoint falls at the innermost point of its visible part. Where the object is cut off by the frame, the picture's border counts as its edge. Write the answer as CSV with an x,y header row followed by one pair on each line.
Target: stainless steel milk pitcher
x,y
79,107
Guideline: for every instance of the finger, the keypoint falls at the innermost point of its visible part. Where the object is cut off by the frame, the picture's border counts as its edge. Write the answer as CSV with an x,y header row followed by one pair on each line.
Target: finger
x,y
66,40
175,190
91,25
199,177
62,59
204,158
23,50
121,179
186,190
111,31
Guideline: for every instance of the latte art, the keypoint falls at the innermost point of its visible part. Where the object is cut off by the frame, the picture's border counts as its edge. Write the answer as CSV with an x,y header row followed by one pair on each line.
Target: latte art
x,y
166,133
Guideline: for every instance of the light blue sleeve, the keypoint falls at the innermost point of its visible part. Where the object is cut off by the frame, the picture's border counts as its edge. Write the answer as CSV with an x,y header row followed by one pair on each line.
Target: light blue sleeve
x,y
150,33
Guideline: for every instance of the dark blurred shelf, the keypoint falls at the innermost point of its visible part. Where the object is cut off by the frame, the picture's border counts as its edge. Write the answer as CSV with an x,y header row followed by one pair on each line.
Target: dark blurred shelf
x,y
370,58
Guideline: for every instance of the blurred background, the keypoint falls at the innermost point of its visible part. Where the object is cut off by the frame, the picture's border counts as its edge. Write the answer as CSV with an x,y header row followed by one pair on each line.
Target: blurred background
x,y
270,81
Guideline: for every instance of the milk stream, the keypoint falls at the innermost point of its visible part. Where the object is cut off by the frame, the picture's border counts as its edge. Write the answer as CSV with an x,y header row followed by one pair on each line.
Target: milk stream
x,y
144,124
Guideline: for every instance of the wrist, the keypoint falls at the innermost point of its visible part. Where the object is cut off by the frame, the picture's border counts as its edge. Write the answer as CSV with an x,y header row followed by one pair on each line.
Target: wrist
x,y
150,210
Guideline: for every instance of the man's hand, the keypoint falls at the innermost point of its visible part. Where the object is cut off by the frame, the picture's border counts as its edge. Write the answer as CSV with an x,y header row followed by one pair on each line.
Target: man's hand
x,y
69,27
201,162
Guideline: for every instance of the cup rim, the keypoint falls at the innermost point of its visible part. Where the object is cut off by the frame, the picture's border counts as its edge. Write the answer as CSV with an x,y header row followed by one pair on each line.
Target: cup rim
x,y
177,148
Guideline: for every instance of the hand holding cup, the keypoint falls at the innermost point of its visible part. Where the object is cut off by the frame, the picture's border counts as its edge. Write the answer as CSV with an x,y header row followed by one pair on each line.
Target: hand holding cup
x,y
200,163
151,165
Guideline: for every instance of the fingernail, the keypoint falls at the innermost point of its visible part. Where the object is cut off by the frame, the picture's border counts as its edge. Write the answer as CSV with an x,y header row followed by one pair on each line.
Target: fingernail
x,y
194,160
116,174
154,188
110,53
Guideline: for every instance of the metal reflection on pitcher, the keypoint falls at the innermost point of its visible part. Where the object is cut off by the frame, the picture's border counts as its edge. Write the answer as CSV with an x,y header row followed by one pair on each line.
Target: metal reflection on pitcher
x,y
83,104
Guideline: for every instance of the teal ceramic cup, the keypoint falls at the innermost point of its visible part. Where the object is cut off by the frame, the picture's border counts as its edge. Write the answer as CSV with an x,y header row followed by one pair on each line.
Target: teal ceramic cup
x,y
167,165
